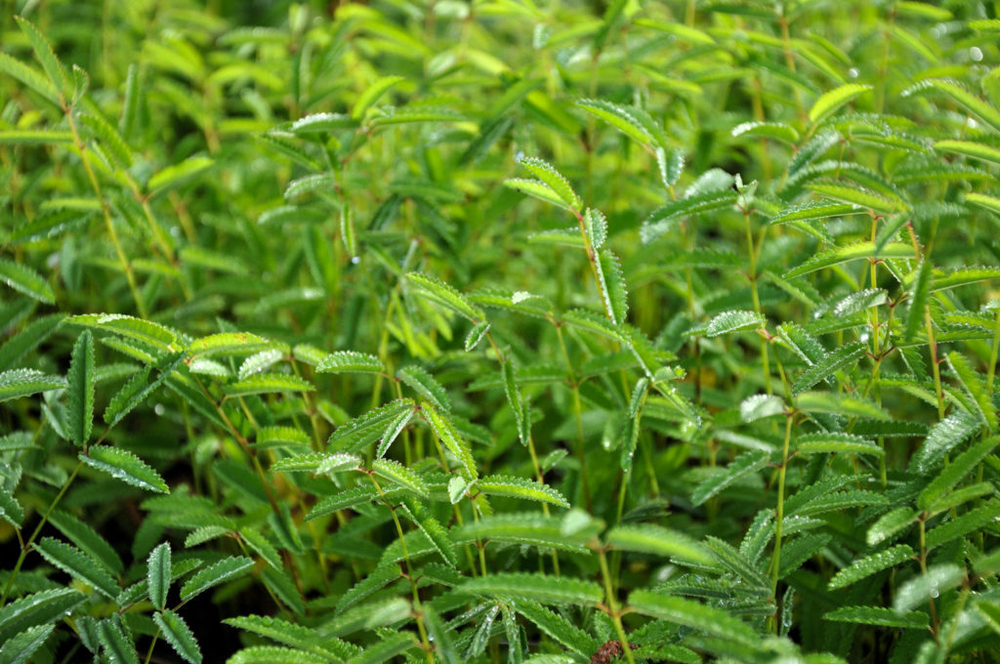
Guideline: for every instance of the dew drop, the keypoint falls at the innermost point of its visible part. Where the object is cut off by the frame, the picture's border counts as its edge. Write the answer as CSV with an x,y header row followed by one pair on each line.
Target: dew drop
x,y
853,72
159,409
976,54
355,260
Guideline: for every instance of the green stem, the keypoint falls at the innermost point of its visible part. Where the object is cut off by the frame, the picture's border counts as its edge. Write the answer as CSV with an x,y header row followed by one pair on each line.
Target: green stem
x,y
780,515
616,615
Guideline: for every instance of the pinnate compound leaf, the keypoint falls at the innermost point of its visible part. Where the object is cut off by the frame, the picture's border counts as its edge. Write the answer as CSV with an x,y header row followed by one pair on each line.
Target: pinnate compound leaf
x,y
125,466
158,575
26,280
225,570
349,361
178,635
871,564
79,565
80,388
518,487
657,540
18,383
536,587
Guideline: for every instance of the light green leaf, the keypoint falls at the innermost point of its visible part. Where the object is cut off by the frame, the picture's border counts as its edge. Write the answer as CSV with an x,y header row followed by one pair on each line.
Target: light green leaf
x,y
399,474
268,383
176,173
979,151
441,293
40,608
349,361
367,98
874,563
918,590
710,620
837,443
746,463
876,615
125,466
554,180
650,538
830,101
735,321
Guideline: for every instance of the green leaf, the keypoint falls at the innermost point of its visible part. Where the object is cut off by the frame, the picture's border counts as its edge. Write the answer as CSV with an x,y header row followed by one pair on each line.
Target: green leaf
x,y
80,388
991,203
19,649
158,575
554,180
40,608
176,173
956,471
125,466
612,282
918,590
659,541
516,401
710,620
399,474
984,111
30,337
972,521
814,211
874,563
267,384
145,331
385,649
973,386
596,227
228,343
776,130
848,253
662,219
18,383
734,321
26,280
349,361
178,635
355,434
540,588
746,463
118,648
837,443
424,384
918,300
225,570
517,487
631,423
418,513
536,189
88,539
970,149
367,98
138,390
43,51
840,359
618,117
942,438
876,615
109,139
443,294
275,655
830,101
10,510
528,529
35,137
557,627
446,431
79,565
29,76
883,202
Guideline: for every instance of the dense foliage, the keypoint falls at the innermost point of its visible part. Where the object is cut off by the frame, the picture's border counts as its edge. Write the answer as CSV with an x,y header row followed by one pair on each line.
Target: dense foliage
x,y
499,331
